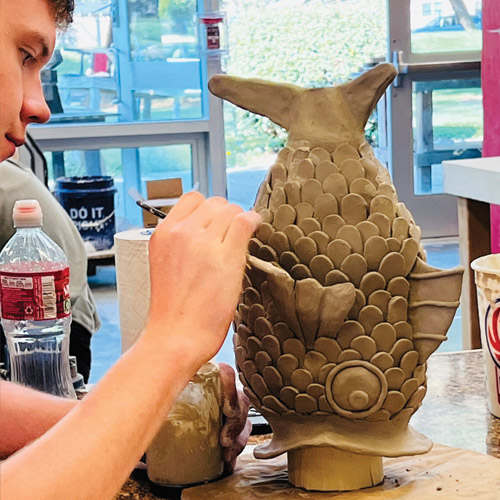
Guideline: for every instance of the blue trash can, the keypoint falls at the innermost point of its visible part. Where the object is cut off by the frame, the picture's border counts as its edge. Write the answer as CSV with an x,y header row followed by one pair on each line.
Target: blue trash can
x,y
90,203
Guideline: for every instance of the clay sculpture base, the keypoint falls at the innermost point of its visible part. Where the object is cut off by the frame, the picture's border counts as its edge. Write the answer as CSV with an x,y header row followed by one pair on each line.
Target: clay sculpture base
x,y
328,469
444,472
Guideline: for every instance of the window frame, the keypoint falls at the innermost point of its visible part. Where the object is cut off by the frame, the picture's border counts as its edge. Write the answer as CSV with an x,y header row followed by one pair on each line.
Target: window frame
x,y
416,67
205,135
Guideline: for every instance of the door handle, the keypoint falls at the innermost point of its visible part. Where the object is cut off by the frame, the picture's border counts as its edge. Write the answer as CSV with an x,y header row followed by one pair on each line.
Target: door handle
x,y
431,68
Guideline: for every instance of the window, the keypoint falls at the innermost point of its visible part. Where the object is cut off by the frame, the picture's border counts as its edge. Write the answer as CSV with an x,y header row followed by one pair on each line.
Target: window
x,y
426,9
157,162
447,121
444,32
130,61
124,63
436,115
335,40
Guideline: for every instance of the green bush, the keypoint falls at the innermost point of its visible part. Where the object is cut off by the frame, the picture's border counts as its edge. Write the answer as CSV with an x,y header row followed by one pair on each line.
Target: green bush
x,y
311,43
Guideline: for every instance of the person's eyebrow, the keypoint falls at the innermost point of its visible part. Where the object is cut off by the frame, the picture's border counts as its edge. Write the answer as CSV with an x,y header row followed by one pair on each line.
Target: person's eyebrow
x,y
41,40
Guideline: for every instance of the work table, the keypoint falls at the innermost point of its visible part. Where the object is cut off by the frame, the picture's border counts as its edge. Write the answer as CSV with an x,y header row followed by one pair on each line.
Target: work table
x,y
453,413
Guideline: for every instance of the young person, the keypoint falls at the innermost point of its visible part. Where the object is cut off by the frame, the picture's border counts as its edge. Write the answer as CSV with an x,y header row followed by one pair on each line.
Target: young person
x,y
197,257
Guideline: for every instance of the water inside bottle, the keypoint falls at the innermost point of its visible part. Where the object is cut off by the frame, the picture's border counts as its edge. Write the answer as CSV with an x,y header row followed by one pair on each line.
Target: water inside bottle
x,y
36,356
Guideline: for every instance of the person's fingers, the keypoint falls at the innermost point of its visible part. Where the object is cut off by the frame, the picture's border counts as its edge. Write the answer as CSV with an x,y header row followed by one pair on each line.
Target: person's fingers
x,y
229,467
230,454
242,228
220,224
186,205
140,466
235,425
228,390
244,404
204,214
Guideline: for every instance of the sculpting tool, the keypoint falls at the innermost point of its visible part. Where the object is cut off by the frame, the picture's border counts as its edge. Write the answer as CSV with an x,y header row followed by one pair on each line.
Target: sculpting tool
x,y
151,209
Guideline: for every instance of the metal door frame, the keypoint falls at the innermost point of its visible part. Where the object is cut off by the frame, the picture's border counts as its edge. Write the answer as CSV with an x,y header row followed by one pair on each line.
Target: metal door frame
x,y
435,213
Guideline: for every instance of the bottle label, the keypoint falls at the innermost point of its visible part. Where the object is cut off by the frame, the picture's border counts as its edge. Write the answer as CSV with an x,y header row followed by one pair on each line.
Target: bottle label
x,y
35,296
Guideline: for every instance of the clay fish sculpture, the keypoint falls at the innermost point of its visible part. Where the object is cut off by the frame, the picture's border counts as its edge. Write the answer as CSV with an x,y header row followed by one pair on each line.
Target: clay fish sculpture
x,y
339,311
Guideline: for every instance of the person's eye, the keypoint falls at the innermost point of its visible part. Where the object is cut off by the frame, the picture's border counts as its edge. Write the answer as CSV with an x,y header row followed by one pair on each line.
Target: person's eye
x,y
27,58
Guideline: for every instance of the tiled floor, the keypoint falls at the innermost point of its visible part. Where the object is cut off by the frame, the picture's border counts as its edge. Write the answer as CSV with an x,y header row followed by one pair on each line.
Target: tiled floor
x,y
106,346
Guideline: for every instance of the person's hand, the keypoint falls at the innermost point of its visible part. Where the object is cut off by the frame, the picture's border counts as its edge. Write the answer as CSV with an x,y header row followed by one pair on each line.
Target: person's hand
x,y
237,426
197,257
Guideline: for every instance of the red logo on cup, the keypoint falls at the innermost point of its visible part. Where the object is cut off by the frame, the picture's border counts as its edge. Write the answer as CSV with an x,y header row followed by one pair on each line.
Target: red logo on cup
x,y
493,331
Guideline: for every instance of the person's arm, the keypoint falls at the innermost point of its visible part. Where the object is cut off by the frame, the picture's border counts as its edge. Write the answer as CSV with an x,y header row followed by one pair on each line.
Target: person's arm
x,y
26,414
197,257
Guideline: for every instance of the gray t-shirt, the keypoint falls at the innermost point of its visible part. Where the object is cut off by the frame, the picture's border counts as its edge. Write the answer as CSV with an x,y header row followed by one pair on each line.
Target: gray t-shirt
x,y
18,182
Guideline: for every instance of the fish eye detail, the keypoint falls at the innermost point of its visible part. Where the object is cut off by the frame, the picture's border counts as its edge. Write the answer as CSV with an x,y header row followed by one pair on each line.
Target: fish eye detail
x,y
356,389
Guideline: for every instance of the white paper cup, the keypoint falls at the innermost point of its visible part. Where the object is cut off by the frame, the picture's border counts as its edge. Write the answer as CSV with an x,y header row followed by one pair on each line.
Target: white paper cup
x,y
487,274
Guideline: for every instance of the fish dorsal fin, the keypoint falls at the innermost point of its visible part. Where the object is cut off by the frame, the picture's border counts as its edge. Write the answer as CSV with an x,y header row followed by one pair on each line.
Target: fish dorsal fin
x,y
363,92
271,99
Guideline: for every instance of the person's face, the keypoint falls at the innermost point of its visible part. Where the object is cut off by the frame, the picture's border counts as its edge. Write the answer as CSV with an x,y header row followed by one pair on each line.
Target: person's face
x,y
27,38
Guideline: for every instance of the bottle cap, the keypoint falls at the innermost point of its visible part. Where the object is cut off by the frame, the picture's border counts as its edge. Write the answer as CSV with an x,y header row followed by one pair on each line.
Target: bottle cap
x,y
27,213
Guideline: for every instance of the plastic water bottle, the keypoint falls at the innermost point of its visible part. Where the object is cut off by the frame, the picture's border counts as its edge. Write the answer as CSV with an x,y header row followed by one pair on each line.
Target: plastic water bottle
x,y
35,304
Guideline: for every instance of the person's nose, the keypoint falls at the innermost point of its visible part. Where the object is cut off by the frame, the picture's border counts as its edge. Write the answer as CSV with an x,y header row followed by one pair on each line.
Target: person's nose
x,y
35,108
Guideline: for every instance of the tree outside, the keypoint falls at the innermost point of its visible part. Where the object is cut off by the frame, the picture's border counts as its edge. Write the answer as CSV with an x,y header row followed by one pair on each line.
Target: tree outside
x,y
312,43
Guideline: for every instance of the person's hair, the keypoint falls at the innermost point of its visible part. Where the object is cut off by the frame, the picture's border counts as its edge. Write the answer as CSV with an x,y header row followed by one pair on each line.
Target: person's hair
x,y
63,11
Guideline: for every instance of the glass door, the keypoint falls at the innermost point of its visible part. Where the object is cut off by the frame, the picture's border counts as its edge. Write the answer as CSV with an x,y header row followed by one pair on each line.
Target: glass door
x,y
435,104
